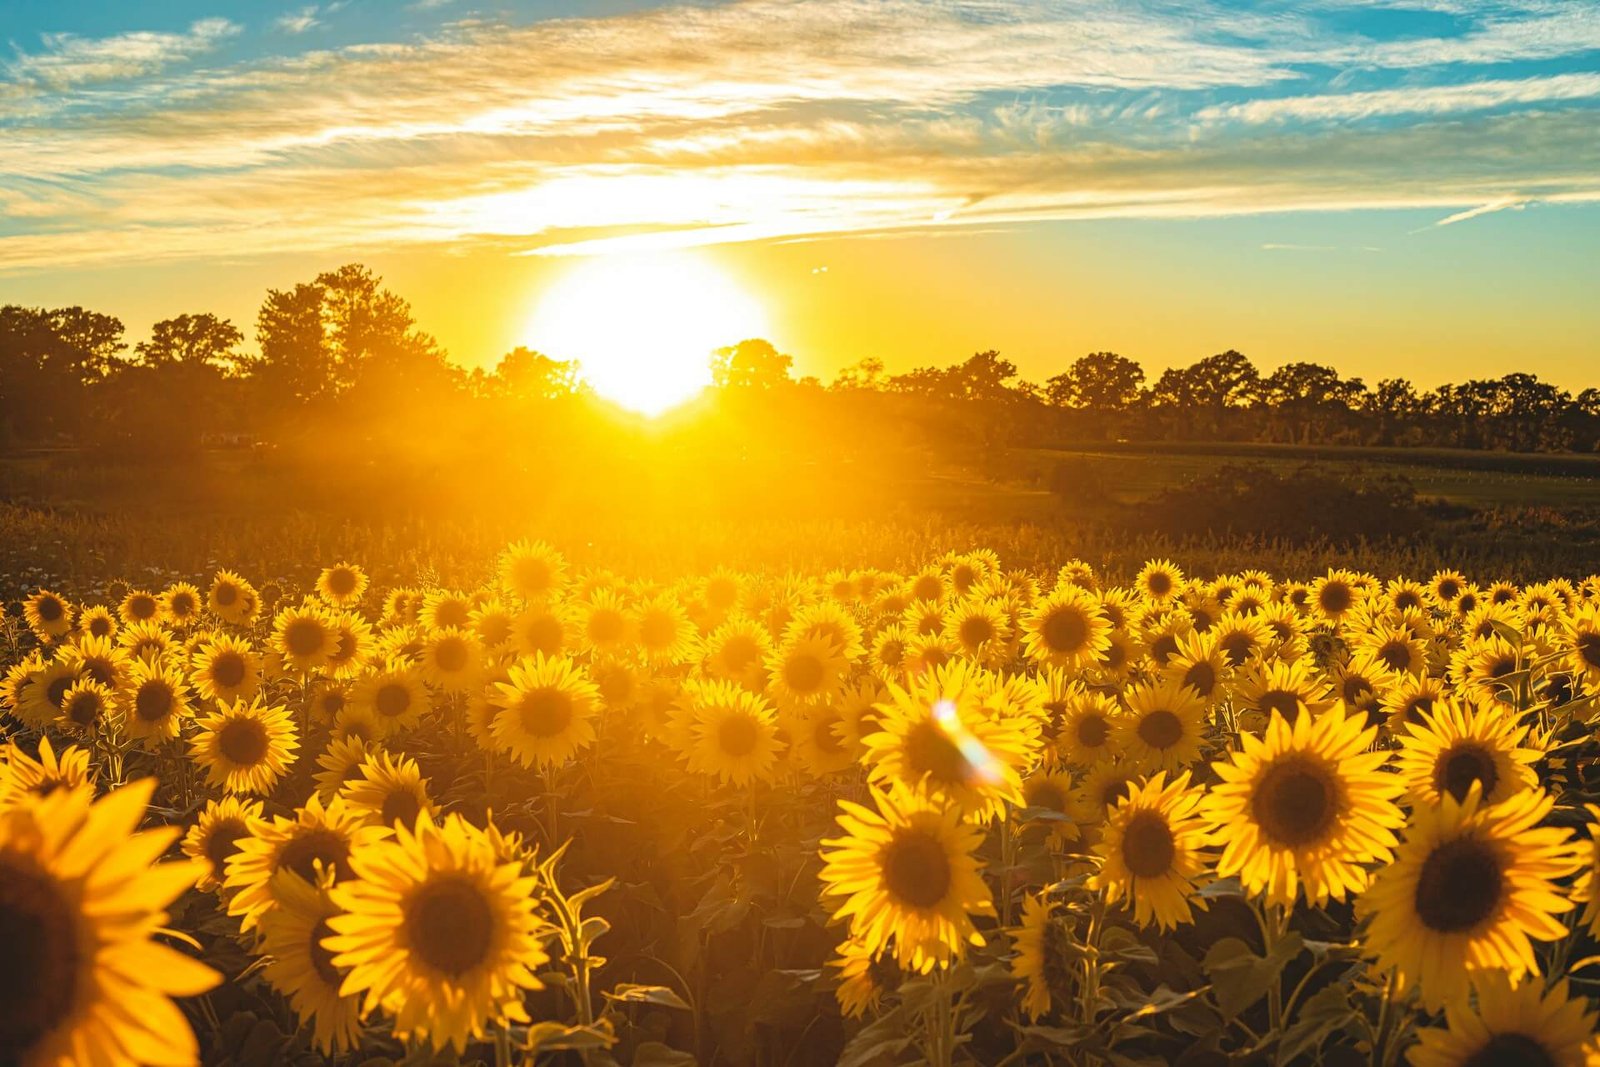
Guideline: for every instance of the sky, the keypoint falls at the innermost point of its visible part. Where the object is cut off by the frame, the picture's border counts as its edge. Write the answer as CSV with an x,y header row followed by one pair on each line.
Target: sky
x,y
1394,187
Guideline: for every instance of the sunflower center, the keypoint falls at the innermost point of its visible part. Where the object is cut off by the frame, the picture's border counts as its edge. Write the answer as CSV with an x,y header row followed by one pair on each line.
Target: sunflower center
x,y
451,654
739,652
1201,677
223,841
39,983
927,588
154,701
341,581
304,637
1045,794
243,741
1518,1049
100,668
1418,707
321,958
1093,731
1501,666
1448,588
823,737
657,630
976,630
56,691
544,634
1164,648
182,605
318,844
450,925
738,735
916,869
546,712
227,669
85,708
1357,690
1065,630
929,751
803,673
1460,885
451,613
1161,729
1461,767
1283,702
1237,647
1115,792
225,595
392,699
49,609
400,804
1148,847
1159,584
1397,654
1335,598
1295,803
1588,647
100,626
143,607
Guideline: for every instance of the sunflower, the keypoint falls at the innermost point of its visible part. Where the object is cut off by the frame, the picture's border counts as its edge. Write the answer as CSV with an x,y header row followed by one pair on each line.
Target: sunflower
x,y
1240,638
1511,1024
1200,665
305,637
546,711
79,903
1051,791
340,764
48,615
41,700
22,776
821,742
443,607
145,640
1088,726
806,671
493,626
315,846
341,585
298,966
1334,594
88,707
227,668
439,933
1045,962
889,649
1098,790
863,977
393,693
352,645
155,703
532,571
1361,681
245,748
737,651
1479,666
1409,698
981,630
1162,632
934,735
543,629
1067,629
216,834
19,677
181,604
1457,745
732,733
663,631
926,652
1580,640
387,790
1472,886
1446,586
1163,726
1153,851
1287,689
99,660
1159,581
1304,808
451,659
139,606
98,621
360,721
907,875
232,599
604,625
828,620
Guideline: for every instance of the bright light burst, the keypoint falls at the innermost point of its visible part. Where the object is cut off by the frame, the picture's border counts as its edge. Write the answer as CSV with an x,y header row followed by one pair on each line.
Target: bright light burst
x,y
643,327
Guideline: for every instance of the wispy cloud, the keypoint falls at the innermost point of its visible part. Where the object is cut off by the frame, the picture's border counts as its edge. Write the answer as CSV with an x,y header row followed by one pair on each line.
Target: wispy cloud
x,y
299,21
68,61
1434,100
1505,202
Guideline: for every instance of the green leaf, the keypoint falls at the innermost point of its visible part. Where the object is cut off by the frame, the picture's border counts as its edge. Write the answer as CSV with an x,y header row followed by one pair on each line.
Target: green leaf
x,y
1240,978
628,993
548,1037
1327,1011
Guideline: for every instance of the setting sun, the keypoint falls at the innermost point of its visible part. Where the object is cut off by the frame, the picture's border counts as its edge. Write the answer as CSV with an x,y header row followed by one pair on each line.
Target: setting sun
x,y
643,327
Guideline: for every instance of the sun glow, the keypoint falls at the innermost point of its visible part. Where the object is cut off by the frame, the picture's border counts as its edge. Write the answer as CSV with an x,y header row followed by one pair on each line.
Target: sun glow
x,y
642,328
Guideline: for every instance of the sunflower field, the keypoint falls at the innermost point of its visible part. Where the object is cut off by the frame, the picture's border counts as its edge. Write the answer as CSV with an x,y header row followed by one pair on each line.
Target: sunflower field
x,y
956,813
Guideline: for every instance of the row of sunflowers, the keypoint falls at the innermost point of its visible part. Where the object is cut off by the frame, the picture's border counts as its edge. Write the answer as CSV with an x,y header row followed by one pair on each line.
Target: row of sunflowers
x,y
956,814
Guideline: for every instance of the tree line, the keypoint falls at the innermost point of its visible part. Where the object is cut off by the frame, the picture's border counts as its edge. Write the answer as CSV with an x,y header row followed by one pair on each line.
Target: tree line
x,y
343,346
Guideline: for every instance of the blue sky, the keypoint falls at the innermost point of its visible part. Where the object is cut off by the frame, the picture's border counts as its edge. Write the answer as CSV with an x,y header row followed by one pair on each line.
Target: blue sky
x,y
1436,144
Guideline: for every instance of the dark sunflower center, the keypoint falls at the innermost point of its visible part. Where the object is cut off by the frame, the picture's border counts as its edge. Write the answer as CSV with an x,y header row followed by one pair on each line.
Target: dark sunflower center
x,y
321,958
100,626
227,670
976,630
892,653
1501,667
1285,703
927,588
930,624
1418,707
1202,618
803,673
1461,767
1093,730
533,575
451,613
916,869
1164,648
451,654
738,735
143,607
1448,588
1397,654
304,637
49,609
400,804
1335,598
544,634
392,699
243,741
1115,655
154,701
56,691
1510,1050
1159,584
1160,729
1236,646
341,581
85,708
1295,802
223,841
929,751
318,844
1357,691
1588,647
1460,885
39,982
1065,630
546,712
1115,792
1201,677
1045,794
823,736
450,925
1148,847
182,605
100,668
657,630
225,595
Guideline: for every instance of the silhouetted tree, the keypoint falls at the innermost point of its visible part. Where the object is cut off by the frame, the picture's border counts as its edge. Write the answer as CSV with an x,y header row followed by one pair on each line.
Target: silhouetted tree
x,y
1099,381
192,339
750,364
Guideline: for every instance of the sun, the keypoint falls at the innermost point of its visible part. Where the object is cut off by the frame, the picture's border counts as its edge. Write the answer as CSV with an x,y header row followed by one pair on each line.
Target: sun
x,y
642,327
